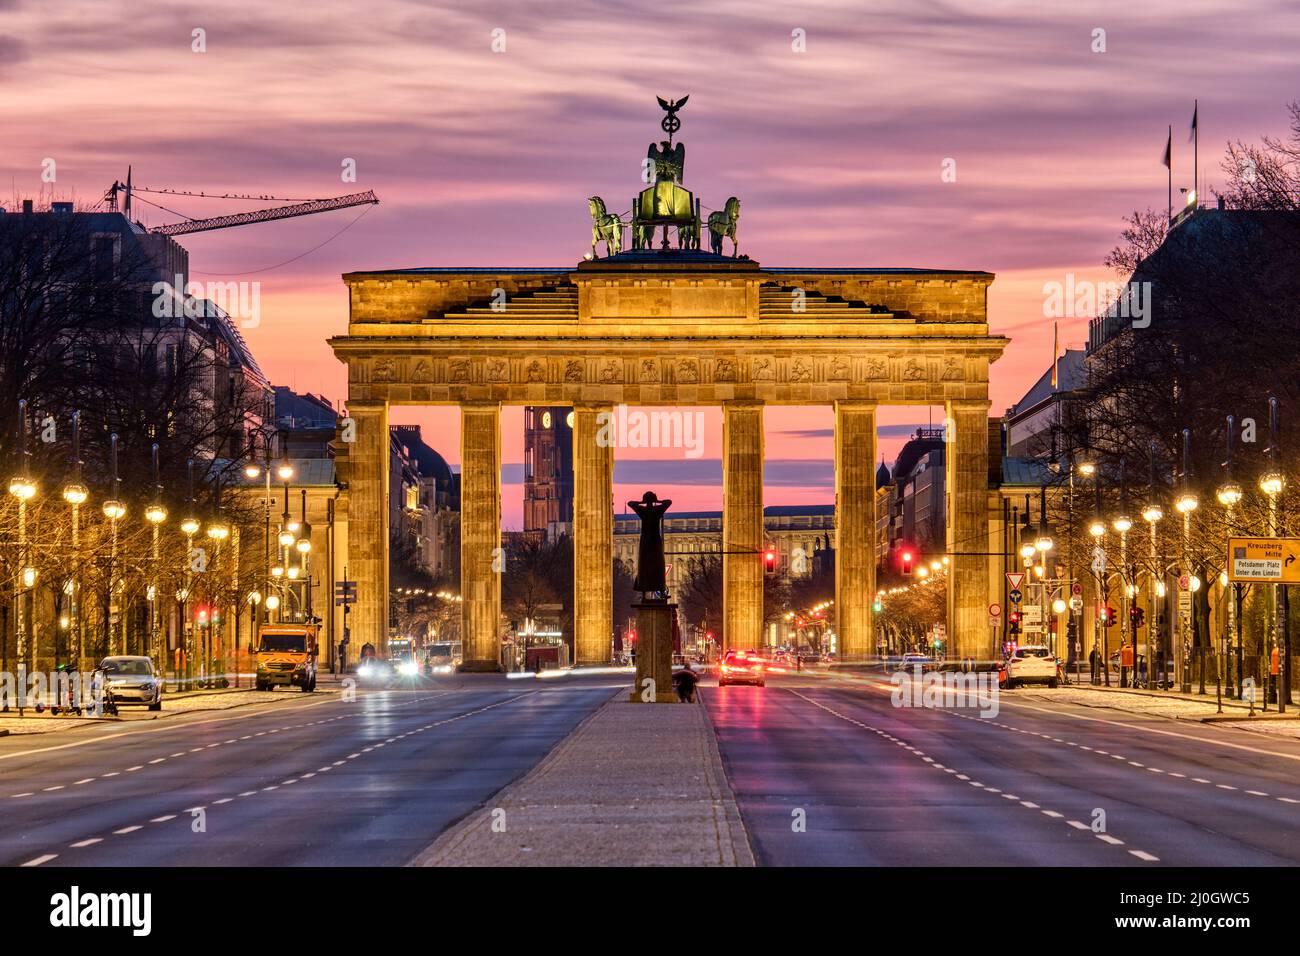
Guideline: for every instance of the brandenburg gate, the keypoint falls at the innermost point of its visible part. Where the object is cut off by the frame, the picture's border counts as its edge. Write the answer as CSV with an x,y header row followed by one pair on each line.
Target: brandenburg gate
x,y
669,326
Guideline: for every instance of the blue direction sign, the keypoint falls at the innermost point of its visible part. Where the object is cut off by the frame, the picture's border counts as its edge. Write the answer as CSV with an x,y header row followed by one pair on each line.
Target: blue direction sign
x,y
1014,596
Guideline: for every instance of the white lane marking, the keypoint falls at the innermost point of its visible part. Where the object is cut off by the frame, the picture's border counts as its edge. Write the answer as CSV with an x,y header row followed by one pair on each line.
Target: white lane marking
x,y
1107,838
41,859
217,803
158,760
138,766
126,830
48,789
83,780
27,794
90,842
164,818
1143,855
1077,825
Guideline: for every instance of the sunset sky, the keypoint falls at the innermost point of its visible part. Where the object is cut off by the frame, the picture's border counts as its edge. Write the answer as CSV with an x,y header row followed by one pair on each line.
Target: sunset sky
x,y
486,159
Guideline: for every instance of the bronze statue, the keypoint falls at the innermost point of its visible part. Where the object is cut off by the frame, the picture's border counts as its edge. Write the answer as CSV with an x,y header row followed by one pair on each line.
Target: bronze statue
x,y
605,226
723,223
668,161
650,575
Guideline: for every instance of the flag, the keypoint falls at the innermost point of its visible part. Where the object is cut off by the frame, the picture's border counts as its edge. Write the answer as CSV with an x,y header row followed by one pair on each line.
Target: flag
x,y
1169,151
1195,110
1055,354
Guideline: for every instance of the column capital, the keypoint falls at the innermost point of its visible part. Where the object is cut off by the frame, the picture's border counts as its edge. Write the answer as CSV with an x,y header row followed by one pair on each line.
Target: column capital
x,y
969,404
742,403
865,404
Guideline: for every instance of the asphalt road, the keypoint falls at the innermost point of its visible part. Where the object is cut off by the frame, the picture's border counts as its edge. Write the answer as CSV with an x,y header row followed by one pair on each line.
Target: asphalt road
x,y
877,784
320,782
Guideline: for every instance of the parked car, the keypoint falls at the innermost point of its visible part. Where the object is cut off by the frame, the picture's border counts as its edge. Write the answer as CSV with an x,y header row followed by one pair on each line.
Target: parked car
x,y
1030,664
132,680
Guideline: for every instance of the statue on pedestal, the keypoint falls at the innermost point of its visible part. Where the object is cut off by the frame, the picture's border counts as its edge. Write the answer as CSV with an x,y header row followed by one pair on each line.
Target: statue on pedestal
x,y
650,575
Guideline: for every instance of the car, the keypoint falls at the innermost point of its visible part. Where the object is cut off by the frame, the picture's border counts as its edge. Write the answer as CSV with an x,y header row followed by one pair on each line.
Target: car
x,y
1031,664
373,670
742,667
910,661
132,680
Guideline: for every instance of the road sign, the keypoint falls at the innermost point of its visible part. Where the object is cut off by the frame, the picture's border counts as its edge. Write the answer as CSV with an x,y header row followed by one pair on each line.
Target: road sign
x,y
995,610
1274,560
1015,578
345,593
1098,561
1076,588
1076,604
1184,581
1015,596
1033,613
994,622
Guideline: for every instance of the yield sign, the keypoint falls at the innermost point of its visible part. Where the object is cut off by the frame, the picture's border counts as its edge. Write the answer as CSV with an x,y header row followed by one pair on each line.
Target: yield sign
x,y
1014,578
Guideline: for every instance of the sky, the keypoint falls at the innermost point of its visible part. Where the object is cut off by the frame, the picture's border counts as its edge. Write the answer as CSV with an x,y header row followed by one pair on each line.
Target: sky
x,y
485,157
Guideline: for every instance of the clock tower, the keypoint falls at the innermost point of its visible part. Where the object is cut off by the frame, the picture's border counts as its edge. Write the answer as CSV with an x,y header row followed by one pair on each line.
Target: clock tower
x,y
548,470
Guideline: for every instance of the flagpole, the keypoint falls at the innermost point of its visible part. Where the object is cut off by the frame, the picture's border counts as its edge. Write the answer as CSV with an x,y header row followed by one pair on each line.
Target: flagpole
x,y
1169,164
1196,142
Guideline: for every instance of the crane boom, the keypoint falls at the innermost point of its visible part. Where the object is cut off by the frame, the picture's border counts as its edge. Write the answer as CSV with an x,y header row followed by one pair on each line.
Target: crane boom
x,y
265,215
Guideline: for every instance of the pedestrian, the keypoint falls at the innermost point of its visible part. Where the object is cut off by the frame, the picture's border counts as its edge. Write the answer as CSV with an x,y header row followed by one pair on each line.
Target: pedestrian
x,y
1094,663
684,682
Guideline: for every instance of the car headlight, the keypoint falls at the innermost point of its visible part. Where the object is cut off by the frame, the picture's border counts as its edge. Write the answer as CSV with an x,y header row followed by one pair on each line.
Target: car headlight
x,y
365,670
409,668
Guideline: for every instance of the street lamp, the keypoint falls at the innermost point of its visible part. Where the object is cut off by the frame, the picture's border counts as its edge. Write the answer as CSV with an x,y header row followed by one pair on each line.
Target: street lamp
x,y
1152,514
155,514
1230,495
1273,483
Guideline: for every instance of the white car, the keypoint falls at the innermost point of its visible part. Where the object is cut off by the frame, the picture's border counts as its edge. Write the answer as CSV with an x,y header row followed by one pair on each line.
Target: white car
x,y
1031,664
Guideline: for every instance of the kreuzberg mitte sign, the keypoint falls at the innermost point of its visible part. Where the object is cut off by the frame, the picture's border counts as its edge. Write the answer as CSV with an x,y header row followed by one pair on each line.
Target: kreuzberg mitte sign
x,y
1270,560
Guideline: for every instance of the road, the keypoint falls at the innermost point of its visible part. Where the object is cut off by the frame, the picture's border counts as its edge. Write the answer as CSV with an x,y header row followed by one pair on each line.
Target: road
x,y
320,782
885,785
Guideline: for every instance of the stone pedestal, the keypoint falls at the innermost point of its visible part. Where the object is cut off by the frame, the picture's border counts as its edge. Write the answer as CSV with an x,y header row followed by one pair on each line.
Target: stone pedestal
x,y
742,525
366,472
654,652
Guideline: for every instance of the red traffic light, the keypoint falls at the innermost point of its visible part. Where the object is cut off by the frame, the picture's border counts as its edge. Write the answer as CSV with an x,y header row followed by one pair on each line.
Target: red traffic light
x,y
769,561
907,562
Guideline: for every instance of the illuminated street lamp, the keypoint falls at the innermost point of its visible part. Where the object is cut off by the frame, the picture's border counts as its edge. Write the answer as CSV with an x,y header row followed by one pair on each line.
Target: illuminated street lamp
x,y
1230,495
1273,483
75,494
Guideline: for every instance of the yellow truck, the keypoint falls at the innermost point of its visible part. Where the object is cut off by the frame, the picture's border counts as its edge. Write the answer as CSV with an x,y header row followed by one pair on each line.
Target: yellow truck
x,y
286,654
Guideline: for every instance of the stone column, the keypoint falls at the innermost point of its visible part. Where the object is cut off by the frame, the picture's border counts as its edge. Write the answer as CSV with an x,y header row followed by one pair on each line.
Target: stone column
x,y
855,529
593,538
481,559
966,462
742,525
367,478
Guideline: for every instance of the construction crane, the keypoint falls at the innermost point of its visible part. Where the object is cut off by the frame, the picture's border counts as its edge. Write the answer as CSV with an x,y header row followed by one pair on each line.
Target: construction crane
x,y
306,208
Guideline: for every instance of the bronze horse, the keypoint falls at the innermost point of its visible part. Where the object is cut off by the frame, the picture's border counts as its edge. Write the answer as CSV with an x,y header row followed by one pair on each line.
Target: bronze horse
x,y
605,227
723,223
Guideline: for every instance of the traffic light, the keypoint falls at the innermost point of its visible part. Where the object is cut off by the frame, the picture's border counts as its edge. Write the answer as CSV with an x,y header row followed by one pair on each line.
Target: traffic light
x,y
1014,620
769,561
1135,615
1107,616
907,558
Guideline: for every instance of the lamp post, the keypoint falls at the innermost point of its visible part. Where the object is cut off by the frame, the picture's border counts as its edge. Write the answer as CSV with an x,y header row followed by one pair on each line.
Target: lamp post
x,y
155,514
1187,503
218,531
1273,483
1044,541
114,511
1229,495
1123,524
23,487
1097,529
189,527
303,547
76,495
1152,514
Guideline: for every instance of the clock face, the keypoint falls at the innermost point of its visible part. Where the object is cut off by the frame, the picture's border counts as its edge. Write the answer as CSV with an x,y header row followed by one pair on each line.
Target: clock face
x,y
568,419
546,419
